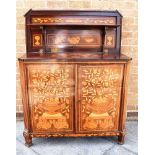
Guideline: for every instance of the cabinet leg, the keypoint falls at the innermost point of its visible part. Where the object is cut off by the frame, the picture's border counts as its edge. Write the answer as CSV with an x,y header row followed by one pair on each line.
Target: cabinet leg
x,y
28,139
121,139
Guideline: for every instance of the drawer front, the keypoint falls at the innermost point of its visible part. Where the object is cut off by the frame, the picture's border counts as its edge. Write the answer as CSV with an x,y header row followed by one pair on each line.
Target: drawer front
x,y
50,91
99,93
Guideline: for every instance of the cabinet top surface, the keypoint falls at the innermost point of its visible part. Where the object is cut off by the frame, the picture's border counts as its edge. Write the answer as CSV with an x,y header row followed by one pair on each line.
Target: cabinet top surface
x,y
74,57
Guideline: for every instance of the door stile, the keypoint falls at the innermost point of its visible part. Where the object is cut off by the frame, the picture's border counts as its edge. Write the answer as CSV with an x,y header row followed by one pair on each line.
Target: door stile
x,y
76,99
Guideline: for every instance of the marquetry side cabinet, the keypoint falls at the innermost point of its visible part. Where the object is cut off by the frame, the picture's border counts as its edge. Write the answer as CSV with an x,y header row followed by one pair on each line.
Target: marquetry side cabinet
x,y
73,77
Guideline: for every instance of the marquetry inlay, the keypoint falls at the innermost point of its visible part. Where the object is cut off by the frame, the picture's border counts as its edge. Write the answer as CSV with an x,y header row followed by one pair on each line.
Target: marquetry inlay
x,y
109,41
110,38
73,39
37,40
75,20
51,95
99,94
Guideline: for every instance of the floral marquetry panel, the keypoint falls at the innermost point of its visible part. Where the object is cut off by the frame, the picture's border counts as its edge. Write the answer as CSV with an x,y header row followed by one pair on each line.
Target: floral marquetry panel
x,y
99,92
51,96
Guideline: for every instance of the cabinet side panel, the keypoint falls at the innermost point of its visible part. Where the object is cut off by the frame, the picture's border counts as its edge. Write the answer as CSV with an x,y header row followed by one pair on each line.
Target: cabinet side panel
x,y
99,93
124,98
23,81
51,94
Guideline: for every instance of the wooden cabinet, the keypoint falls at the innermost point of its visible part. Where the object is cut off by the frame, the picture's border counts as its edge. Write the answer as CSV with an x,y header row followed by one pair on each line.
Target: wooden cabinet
x,y
74,99
73,75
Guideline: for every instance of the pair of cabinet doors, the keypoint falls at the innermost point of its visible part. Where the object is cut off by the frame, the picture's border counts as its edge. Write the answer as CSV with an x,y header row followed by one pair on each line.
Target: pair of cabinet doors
x,y
74,98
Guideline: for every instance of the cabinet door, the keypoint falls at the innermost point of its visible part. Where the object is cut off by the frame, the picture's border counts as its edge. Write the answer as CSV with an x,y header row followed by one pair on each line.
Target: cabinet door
x,y
50,88
99,93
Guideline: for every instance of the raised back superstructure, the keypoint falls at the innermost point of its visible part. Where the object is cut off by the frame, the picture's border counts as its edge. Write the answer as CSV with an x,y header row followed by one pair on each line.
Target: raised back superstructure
x,y
73,31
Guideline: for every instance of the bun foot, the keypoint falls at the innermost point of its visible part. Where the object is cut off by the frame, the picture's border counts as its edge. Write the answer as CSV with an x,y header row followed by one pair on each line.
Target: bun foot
x,y
28,139
28,144
121,139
